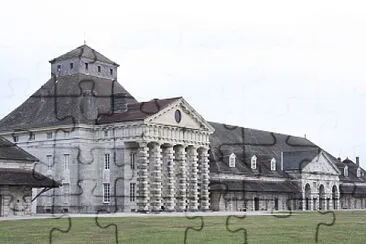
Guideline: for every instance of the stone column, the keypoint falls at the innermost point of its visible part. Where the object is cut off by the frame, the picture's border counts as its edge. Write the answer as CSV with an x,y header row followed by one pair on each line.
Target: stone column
x,y
143,178
169,184
192,178
205,179
155,177
181,173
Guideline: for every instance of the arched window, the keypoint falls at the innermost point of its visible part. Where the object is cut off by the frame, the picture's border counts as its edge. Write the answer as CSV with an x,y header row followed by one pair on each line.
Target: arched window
x,y
232,159
253,162
359,172
345,171
273,164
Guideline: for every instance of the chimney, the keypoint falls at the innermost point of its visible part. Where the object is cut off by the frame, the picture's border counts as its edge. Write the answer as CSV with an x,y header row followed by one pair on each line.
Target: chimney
x,y
358,161
339,159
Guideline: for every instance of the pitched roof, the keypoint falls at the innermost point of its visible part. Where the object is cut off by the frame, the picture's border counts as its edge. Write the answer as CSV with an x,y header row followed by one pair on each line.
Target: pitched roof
x,y
245,143
10,151
22,177
67,100
84,51
137,111
297,160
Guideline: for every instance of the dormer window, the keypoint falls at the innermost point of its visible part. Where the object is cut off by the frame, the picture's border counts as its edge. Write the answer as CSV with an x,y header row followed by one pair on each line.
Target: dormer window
x,y
345,171
253,162
359,172
273,164
99,69
232,160
71,65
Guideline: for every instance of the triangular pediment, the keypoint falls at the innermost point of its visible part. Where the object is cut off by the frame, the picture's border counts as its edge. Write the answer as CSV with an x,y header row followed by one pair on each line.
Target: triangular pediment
x,y
180,114
321,164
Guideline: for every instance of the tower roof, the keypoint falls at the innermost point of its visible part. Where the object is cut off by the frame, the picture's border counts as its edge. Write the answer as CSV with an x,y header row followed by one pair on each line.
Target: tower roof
x,y
84,51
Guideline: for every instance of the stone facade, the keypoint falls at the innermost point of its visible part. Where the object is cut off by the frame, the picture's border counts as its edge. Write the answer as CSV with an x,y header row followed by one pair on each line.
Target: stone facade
x,y
114,154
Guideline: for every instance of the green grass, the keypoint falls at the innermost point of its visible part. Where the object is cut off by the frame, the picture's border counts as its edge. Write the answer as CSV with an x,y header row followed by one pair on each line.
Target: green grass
x,y
350,227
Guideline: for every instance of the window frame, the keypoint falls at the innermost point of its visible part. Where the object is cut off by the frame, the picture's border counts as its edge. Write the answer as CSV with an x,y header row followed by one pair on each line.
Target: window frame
x,y
273,164
253,162
132,192
49,158
232,160
106,192
107,161
133,160
66,161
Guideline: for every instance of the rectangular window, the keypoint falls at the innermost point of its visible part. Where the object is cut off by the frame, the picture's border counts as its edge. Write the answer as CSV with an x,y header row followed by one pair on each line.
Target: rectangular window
x,y
59,68
111,71
106,161
105,133
15,138
32,136
66,161
49,135
66,194
71,65
49,162
86,66
99,69
106,192
132,192
133,158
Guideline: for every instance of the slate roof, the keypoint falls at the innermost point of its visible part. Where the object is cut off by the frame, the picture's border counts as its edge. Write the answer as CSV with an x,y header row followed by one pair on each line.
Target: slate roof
x,y
254,186
67,100
297,160
84,51
22,177
352,172
137,111
10,151
245,143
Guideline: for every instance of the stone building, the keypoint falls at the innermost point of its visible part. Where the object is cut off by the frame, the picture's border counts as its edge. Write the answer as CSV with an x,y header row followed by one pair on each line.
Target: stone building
x,y
113,153
17,178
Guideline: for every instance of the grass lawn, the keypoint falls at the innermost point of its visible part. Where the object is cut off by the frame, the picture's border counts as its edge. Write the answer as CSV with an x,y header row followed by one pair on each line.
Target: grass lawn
x,y
349,227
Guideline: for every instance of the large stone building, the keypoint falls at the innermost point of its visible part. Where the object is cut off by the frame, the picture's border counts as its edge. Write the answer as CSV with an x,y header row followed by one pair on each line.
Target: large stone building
x,y
113,153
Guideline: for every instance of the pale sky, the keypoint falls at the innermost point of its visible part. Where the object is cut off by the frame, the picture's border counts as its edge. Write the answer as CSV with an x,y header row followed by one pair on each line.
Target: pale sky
x,y
295,67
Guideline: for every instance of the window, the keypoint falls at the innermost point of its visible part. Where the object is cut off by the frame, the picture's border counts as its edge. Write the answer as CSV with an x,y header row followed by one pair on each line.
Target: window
x,y
232,159
86,66
99,68
49,135
273,164
253,162
133,158
106,161
132,192
32,136
111,71
49,162
66,161
106,192
66,194
105,133
359,172
59,67
15,138
345,171
71,65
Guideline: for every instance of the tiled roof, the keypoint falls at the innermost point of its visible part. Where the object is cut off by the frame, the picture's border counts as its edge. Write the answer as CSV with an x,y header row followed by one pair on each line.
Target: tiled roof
x,y
10,151
137,111
84,51
22,177
67,100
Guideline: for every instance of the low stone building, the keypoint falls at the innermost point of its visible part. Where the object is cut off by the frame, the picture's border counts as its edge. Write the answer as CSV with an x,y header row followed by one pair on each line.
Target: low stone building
x,y
113,153
17,178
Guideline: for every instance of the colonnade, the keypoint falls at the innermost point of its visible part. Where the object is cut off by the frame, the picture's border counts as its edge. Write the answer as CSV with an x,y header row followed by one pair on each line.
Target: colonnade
x,y
172,177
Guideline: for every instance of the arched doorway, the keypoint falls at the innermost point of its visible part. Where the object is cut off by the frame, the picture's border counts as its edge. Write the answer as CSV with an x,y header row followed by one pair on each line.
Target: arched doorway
x,y
307,197
335,197
321,197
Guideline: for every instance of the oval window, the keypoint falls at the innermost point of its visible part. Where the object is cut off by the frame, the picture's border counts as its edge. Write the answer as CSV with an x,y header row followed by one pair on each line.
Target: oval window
x,y
178,116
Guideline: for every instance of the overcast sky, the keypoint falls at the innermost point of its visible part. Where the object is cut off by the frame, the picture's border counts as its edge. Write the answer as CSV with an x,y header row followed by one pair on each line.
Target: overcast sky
x,y
295,67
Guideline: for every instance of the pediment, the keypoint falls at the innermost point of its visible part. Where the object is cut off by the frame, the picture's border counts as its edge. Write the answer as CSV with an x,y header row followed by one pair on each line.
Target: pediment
x,y
189,118
321,165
